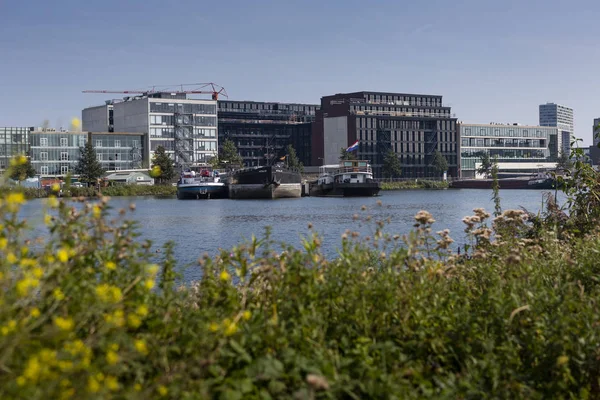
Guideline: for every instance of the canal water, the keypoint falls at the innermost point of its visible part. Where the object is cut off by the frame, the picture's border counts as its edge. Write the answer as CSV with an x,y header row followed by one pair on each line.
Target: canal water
x,y
199,226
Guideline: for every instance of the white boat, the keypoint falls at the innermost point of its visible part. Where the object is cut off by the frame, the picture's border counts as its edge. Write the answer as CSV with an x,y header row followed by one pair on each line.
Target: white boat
x,y
204,184
349,178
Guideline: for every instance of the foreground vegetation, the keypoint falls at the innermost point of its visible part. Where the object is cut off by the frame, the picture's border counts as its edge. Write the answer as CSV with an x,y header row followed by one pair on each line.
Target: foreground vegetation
x,y
414,184
86,313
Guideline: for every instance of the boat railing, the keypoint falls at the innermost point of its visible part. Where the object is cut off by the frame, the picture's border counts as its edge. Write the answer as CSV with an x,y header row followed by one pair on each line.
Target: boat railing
x,y
355,169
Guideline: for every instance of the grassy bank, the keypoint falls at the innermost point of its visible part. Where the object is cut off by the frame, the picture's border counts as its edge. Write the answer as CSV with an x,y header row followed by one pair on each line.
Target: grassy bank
x,y
414,184
112,191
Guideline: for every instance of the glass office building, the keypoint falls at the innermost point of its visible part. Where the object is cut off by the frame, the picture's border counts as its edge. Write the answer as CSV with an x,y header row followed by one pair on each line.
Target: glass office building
x,y
13,141
516,148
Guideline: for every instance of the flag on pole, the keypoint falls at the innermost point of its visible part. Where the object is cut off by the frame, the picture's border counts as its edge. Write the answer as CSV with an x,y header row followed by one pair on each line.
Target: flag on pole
x,y
283,158
353,147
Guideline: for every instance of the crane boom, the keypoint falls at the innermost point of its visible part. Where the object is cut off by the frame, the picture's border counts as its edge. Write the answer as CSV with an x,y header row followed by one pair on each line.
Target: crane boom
x,y
198,88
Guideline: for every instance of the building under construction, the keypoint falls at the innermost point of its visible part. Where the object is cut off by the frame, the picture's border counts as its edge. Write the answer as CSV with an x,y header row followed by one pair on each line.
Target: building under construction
x,y
261,131
185,127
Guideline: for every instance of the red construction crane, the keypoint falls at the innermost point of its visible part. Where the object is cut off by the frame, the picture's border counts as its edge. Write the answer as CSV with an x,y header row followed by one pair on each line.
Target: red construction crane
x,y
188,88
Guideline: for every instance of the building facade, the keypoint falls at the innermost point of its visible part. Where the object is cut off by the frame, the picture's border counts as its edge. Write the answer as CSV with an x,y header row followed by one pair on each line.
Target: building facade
x,y
261,130
552,114
594,149
186,128
413,126
516,148
55,153
13,141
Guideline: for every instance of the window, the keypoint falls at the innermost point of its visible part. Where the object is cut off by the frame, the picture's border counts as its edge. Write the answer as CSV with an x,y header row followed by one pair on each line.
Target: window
x,y
64,156
64,142
44,156
44,170
81,141
64,169
117,143
44,142
98,143
99,156
135,143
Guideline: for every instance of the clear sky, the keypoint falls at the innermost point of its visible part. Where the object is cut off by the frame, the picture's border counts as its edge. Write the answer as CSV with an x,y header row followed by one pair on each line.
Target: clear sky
x,y
493,61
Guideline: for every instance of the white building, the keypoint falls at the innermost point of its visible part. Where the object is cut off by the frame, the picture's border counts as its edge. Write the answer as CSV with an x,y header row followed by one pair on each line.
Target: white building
x,y
516,148
552,114
186,128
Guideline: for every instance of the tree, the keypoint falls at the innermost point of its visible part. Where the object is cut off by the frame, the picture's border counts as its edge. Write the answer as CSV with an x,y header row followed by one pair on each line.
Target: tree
x,y
162,166
21,168
293,162
440,164
228,155
391,165
486,164
346,155
563,161
88,167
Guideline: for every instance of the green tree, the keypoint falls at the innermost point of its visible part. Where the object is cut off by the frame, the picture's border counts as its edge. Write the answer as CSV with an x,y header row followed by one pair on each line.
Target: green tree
x,y
228,156
392,168
292,160
440,164
88,167
21,169
162,166
346,155
563,161
485,168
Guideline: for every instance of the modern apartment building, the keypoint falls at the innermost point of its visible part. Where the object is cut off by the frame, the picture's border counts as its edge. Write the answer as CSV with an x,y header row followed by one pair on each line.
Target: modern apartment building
x,y
414,126
262,130
186,128
13,141
552,114
55,153
517,148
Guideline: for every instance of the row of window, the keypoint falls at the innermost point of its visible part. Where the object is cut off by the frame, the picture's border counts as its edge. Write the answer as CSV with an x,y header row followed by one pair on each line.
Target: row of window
x,y
506,132
472,142
171,120
241,106
186,108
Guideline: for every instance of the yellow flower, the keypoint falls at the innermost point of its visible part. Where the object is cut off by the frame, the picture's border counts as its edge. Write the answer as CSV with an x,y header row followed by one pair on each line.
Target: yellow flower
x,y
24,250
25,284
58,294
21,381
65,324
9,327
230,329
152,269
3,243
18,160
93,385
112,358
47,219
27,262
137,387
149,284
162,390
96,211
32,370
38,272
62,255
134,321
140,346
1,275
52,202
67,394
15,198
142,311
55,187
246,315
117,318
48,356
11,258
562,360
108,293
111,383
35,312
213,327
110,265
224,276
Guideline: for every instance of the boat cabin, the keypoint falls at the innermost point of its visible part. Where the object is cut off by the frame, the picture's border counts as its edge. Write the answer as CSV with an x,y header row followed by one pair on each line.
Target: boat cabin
x,y
198,175
348,171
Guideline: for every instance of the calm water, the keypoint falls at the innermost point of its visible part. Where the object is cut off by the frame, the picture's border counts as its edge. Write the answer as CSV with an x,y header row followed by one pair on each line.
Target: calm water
x,y
207,225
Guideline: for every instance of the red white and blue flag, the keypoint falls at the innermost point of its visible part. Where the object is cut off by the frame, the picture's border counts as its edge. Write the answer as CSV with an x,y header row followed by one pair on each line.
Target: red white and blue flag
x,y
353,147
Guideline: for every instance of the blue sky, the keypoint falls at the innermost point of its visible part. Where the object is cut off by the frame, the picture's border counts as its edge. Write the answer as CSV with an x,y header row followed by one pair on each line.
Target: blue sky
x,y
491,60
